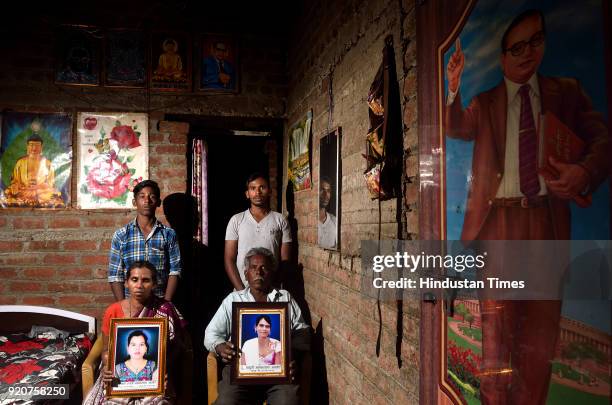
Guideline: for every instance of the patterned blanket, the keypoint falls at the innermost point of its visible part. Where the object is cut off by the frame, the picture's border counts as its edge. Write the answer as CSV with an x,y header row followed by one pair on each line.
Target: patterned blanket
x,y
40,361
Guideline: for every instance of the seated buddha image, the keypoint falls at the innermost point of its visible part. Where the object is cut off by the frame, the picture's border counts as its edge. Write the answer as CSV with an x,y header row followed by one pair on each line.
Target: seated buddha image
x,y
33,180
170,65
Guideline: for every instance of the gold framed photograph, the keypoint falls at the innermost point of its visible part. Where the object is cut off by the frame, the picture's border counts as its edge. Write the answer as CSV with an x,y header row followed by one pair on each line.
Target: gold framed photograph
x,y
137,355
261,331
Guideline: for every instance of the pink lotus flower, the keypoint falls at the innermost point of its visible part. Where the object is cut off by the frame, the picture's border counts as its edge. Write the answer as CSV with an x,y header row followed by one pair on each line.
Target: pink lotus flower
x,y
108,178
125,136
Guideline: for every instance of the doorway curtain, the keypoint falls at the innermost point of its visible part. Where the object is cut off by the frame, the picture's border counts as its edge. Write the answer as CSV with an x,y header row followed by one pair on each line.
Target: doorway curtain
x,y
199,187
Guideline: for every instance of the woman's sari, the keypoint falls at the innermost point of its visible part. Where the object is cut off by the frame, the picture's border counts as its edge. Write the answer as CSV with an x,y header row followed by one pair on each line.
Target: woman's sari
x,y
156,308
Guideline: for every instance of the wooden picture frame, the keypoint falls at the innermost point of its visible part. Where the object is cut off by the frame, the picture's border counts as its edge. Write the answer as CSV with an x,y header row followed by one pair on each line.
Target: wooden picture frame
x,y
299,153
125,59
128,337
170,62
329,190
78,56
218,64
442,28
112,157
255,320
26,135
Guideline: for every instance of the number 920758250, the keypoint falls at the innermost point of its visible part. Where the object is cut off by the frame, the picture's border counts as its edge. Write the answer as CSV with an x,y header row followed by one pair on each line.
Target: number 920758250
x,y
30,391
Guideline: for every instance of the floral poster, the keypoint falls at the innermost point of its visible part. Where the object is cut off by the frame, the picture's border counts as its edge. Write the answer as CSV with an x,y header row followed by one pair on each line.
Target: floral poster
x,y
113,158
35,160
298,169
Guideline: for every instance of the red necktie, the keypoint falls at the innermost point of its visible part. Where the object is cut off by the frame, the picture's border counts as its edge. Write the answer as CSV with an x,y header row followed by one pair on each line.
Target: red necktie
x,y
528,148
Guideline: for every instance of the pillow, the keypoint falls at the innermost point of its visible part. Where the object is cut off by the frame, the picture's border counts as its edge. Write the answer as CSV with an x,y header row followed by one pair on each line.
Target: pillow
x,y
47,332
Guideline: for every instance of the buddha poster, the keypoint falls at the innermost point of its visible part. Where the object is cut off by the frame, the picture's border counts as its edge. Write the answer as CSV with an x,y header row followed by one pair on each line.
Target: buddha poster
x,y
113,156
170,66
35,160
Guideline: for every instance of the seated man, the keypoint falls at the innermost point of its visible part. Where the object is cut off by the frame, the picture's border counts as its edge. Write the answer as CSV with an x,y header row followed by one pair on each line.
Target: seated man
x,y
260,268
33,180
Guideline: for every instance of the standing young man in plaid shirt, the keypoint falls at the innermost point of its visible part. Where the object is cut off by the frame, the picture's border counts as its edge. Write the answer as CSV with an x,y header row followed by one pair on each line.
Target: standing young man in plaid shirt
x,y
145,238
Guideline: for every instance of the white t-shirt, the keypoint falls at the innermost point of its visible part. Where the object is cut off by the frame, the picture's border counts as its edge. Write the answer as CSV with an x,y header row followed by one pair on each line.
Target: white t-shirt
x,y
328,232
270,233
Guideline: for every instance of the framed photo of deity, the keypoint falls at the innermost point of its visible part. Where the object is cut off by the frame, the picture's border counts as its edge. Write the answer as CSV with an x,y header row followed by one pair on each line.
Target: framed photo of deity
x,y
218,69
35,160
113,156
261,331
328,214
137,356
170,66
125,59
78,56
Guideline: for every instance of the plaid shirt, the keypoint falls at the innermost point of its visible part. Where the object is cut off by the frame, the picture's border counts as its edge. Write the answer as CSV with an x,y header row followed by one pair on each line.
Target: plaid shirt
x,y
160,248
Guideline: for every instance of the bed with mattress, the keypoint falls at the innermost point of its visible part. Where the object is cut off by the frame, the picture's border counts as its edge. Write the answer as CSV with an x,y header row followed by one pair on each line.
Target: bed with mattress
x,y
41,352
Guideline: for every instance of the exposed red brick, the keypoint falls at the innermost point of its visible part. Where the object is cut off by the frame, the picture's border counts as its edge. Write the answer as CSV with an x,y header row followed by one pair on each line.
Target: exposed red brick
x,y
174,127
95,259
177,149
155,161
76,273
8,246
105,245
58,223
94,287
156,138
7,274
28,223
63,287
80,245
25,286
19,260
38,300
43,272
44,245
73,300
176,187
9,300
108,222
178,138
59,259
3,222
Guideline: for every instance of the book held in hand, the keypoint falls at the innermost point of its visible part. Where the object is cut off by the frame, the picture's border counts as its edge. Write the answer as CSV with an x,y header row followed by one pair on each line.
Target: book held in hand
x,y
562,144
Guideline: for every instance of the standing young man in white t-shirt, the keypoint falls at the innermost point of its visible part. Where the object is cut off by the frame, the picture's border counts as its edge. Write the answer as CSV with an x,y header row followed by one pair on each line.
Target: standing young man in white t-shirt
x,y
256,227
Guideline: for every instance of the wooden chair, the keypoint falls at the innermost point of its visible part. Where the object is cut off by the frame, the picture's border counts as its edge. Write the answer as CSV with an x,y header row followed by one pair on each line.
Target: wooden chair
x,y
184,392
90,365
213,376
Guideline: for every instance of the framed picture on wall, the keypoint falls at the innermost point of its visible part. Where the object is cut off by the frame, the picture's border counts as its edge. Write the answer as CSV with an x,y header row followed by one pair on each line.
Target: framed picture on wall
x,y
35,160
137,344
485,120
298,161
113,156
170,66
218,64
78,56
256,325
329,190
125,59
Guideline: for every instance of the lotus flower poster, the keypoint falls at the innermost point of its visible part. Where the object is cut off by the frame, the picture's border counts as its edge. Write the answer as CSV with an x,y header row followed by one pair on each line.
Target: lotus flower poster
x,y
113,158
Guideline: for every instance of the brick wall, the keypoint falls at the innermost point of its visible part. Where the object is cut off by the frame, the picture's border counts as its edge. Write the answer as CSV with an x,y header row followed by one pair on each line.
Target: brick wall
x,y
346,38
59,258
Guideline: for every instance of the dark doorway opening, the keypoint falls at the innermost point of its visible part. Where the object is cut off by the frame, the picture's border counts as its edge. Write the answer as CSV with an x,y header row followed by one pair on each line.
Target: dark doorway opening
x,y
231,158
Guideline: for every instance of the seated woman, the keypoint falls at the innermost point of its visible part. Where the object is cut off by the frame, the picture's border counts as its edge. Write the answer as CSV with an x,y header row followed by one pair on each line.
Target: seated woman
x,y
136,367
142,303
262,350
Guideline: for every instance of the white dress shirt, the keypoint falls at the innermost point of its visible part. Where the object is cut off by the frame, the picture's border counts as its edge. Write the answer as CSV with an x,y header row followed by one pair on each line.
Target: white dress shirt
x,y
510,185
219,329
